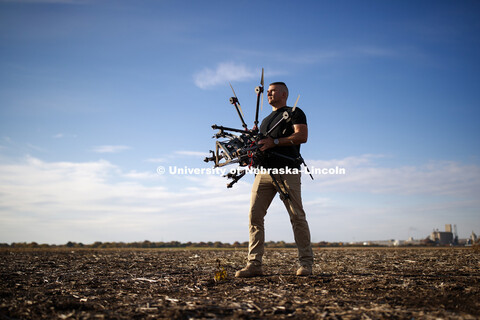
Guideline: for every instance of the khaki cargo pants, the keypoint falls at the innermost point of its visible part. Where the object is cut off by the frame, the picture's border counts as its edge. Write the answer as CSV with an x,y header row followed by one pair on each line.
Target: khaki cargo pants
x,y
263,192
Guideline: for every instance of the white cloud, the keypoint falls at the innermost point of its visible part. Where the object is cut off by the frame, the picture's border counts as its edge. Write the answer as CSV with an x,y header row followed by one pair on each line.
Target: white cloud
x,y
110,148
319,56
7,139
48,1
337,54
63,135
190,153
35,148
156,160
57,202
372,201
140,175
376,51
363,174
224,73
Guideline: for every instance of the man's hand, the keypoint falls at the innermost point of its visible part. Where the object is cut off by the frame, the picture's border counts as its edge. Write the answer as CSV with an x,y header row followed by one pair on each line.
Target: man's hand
x,y
299,136
266,143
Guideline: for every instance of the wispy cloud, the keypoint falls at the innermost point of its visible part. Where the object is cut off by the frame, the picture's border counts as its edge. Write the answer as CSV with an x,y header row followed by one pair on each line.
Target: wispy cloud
x,y
61,201
190,153
35,148
135,175
48,1
338,54
224,72
364,174
110,148
156,160
63,135
7,139
88,201
318,56
377,51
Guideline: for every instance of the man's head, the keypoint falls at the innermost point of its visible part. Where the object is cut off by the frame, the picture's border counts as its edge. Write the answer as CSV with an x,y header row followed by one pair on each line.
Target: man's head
x,y
277,94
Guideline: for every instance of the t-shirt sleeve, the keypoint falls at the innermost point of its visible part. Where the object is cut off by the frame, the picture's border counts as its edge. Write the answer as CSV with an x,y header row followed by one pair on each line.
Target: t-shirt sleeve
x,y
299,117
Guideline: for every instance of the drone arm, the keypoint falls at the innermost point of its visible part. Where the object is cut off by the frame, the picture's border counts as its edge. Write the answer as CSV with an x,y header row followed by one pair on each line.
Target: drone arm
x,y
259,91
222,128
240,116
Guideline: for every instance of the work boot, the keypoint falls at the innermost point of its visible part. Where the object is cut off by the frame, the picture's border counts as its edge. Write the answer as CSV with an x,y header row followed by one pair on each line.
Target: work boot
x,y
304,271
249,271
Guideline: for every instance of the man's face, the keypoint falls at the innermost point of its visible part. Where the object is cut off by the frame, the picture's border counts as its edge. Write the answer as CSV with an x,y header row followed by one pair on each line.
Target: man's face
x,y
276,94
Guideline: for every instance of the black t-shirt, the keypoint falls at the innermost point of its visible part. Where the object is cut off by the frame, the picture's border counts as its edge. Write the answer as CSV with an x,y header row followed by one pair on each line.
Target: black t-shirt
x,y
284,129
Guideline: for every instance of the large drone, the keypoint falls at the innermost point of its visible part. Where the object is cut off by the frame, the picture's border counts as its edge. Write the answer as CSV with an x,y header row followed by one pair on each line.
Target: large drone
x,y
241,145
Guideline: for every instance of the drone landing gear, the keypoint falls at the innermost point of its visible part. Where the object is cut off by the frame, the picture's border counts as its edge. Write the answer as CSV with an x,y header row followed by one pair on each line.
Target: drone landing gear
x,y
235,177
283,194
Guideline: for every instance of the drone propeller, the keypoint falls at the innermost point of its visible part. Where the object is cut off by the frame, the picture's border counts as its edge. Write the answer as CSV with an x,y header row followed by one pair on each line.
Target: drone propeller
x,y
295,105
238,102
259,91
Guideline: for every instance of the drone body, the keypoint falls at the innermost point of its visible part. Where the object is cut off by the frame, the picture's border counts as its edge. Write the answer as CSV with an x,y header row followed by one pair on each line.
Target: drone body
x,y
242,145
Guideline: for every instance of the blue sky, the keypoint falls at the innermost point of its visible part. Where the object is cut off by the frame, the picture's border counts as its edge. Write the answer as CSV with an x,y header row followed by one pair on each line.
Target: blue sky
x,y
95,95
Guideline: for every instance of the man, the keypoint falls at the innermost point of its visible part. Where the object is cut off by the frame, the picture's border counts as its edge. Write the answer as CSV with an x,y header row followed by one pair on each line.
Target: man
x,y
284,140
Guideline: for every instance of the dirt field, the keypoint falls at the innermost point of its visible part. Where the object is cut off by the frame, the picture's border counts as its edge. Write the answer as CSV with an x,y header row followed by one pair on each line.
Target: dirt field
x,y
179,284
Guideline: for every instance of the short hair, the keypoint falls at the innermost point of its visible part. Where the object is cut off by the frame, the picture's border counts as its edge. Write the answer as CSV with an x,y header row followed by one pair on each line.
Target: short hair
x,y
279,83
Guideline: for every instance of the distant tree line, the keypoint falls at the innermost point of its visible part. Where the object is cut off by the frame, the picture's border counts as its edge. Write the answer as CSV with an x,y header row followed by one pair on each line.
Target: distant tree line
x,y
176,244
146,245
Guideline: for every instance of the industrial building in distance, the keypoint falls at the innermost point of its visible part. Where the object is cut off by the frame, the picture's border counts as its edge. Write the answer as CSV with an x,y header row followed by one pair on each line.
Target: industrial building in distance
x,y
441,238
448,236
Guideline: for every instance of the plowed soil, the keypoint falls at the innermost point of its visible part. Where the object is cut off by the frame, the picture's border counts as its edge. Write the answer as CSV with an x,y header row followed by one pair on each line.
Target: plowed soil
x,y
373,283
